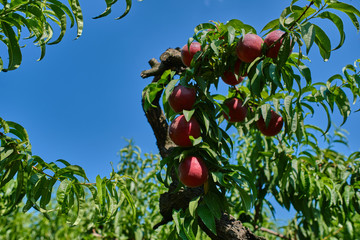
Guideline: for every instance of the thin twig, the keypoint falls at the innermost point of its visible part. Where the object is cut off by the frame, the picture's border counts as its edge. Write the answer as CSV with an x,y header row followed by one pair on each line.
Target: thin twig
x,y
272,232
333,234
307,8
40,171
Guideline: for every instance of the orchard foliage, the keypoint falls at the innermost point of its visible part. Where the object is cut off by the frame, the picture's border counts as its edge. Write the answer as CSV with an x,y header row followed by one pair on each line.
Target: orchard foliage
x,y
39,18
26,177
145,190
320,184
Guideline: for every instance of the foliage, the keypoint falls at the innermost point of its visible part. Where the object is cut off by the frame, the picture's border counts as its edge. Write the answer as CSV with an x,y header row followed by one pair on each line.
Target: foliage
x,y
320,184
28,177
145,190
39,18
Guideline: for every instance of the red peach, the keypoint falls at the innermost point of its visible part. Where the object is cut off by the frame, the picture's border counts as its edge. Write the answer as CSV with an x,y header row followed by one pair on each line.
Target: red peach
x,y
232,77
182,98
180,130
270,39
193,172
187,53
274,127
237,112
249,47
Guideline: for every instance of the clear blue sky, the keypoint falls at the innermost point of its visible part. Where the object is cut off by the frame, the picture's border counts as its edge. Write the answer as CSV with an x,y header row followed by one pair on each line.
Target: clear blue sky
x,y
83,98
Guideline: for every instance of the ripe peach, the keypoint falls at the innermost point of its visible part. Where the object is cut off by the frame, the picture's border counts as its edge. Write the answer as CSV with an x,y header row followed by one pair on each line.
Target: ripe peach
x,y
193,171
271,38
237,112
187,53
180,130
182,98
232,77
249,47
274,127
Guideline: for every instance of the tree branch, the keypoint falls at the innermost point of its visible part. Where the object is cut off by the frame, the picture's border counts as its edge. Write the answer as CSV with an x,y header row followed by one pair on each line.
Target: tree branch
x,y
272,232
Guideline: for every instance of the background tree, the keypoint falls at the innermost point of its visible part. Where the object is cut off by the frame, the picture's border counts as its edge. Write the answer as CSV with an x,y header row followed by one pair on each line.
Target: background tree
x,y
29,177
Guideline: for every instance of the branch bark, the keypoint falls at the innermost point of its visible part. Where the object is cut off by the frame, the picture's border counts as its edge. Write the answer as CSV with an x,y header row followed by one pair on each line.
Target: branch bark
x,y
228,228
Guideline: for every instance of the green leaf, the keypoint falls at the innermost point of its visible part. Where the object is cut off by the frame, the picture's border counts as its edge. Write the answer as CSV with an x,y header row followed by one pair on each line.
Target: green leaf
x,y
344,7
338,23
272,76
73,170
245,198
283,15
308,35
12,43
125,191
214,203
343,104
62,190
4,125
328,117
214,46
305,72
348,194
107,11
127,10
206,216
265,113
288,105
257,79
100,195
354,20
349,230
203,26
285,51
46,192
76,9
10,172
66,163
231,34
288,77
81,206
177,220
294,124
323,42
188,114
193,205
60,14
274,24
20,131
169,88
240,26
65,9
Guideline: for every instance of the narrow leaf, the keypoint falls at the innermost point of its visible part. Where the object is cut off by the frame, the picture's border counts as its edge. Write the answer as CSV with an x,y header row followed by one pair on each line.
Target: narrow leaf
x,y
127,10
323,42
338,23
206,216
12,43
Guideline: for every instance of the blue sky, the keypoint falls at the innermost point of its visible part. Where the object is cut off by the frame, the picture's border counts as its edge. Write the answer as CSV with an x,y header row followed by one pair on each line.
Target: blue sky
x,y
83,98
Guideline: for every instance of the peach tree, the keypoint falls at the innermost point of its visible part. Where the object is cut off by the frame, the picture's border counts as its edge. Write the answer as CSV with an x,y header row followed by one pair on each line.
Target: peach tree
x,y
27,177
270,100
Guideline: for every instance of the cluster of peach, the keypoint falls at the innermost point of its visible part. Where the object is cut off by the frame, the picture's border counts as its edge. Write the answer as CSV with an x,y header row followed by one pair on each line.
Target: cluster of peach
x,y
192,170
